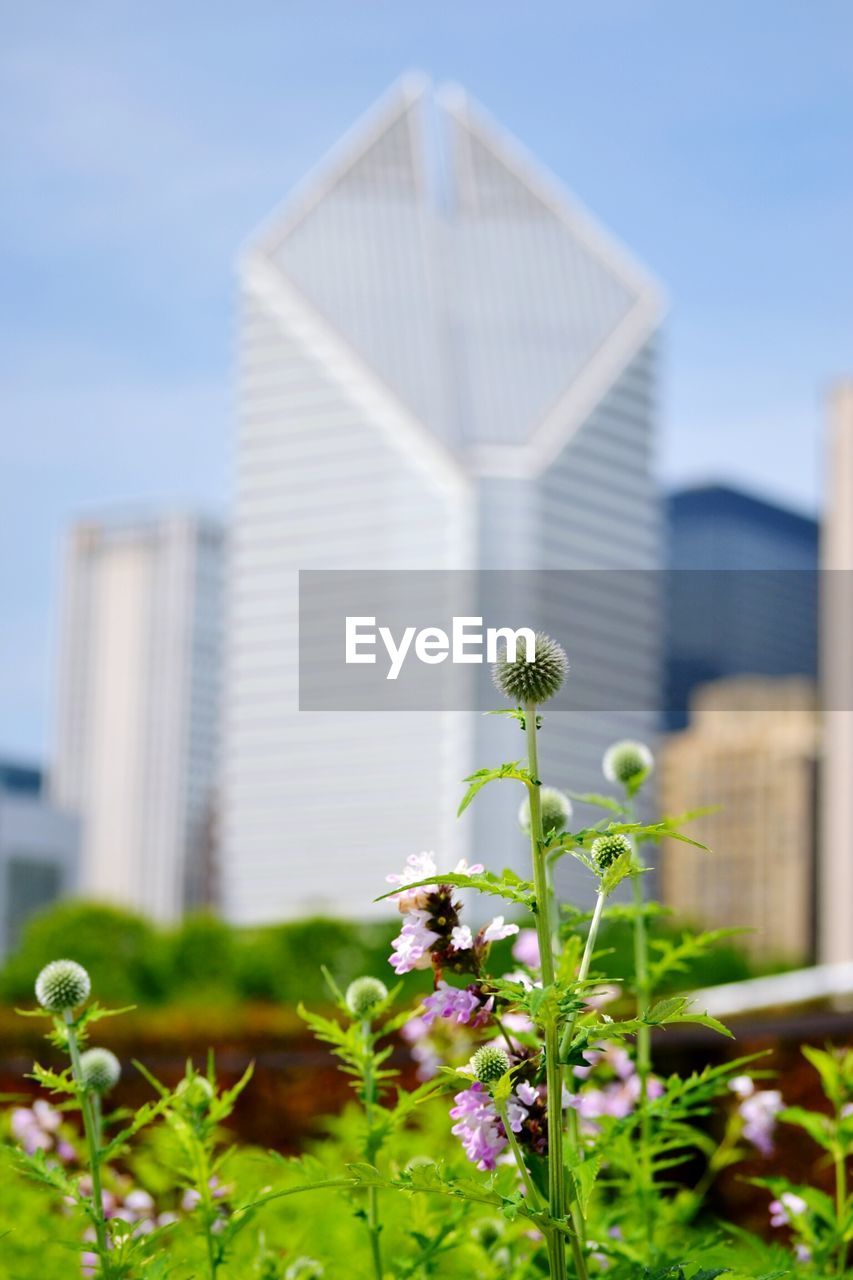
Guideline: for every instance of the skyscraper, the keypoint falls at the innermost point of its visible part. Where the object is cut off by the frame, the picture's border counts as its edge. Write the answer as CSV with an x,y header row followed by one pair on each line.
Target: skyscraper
x,y
750,753
39,850
836,857
138,724
742,594
445,364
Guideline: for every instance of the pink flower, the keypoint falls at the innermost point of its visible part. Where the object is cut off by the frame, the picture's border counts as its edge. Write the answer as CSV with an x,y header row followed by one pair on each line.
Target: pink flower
x,y
478,1126
787,1206
526,949
463,1004
759,1111
410,949
422,866
497,930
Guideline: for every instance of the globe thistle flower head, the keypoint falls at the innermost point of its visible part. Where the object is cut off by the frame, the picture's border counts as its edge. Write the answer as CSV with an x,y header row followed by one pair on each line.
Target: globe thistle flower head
x,y
556,809
62,985
606,849
101,1070
535,681
363,995
489,1063
627,763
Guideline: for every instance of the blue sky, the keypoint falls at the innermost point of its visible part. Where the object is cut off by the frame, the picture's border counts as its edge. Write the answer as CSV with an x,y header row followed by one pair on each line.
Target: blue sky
x,y
141,144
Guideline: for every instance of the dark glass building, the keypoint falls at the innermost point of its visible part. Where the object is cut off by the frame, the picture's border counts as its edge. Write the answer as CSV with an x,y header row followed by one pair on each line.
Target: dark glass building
x,y
741,591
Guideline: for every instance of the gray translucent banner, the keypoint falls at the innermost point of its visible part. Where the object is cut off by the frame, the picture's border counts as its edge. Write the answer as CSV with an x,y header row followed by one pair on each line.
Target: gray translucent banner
x,y
636,640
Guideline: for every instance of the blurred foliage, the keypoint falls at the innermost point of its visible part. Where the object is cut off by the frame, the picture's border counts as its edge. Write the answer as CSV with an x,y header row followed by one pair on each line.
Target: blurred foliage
x,y
204,961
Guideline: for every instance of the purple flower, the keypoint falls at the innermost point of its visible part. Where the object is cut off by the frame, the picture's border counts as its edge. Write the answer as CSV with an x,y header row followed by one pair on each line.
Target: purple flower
x,y
410,949
478,1126
758,1112
526,949
787,1206
463,1004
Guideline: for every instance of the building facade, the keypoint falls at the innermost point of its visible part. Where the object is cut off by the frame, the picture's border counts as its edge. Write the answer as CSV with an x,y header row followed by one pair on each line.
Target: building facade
x,y
751,753
445,365
741,592
39,850
836,863
138,726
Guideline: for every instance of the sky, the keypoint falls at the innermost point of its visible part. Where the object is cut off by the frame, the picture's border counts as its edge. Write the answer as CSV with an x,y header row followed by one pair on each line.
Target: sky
x,y
140,145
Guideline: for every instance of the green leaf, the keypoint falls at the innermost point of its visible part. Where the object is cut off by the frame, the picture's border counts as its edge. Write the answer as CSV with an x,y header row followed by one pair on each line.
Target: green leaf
x,y
820,1128
507,886
476,781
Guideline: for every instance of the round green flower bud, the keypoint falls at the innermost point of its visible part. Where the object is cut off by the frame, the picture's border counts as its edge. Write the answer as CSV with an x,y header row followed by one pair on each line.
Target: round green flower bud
x,y
62,985
534,681
625,761
556,810
363,995
196,1092
101,1070
489,1063
606,849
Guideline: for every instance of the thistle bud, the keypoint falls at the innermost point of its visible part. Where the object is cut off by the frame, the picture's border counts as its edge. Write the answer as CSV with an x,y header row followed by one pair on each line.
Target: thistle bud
x,y
535,681
62,985
101,1070
626,762
606,849
556,809
196,1092
489,1063
363,995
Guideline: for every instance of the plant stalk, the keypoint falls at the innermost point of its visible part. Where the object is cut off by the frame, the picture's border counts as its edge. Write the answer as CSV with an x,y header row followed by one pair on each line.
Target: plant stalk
x,y
553,1070
93,1144
533,1197
841,1206
644,1037
373,1223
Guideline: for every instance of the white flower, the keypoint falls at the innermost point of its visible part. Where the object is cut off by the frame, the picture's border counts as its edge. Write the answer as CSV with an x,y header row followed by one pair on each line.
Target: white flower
x,y
497,930
461,938
743,1086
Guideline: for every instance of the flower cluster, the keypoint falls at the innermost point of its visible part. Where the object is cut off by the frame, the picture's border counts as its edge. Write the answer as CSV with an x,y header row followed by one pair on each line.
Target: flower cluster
x,y
618,1093
432,934
37,1128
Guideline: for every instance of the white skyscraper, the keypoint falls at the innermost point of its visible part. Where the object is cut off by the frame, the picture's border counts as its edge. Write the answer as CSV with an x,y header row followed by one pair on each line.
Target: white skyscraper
x,y
835,874
138,725
445,364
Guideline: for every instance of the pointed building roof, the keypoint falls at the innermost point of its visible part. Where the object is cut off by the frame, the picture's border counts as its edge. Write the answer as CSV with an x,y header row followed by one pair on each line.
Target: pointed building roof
x,y
488,304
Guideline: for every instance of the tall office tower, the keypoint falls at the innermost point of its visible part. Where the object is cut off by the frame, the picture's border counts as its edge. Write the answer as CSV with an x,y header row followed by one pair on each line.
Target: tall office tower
x,y
39,850
446,365
138,725
751,751
742,597
836,857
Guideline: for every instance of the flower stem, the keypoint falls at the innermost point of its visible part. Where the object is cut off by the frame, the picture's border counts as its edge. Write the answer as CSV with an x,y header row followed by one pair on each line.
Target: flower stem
x,y
90,1129
373,1224
841,1205
533,1197
583,971
553,1070
644,1041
